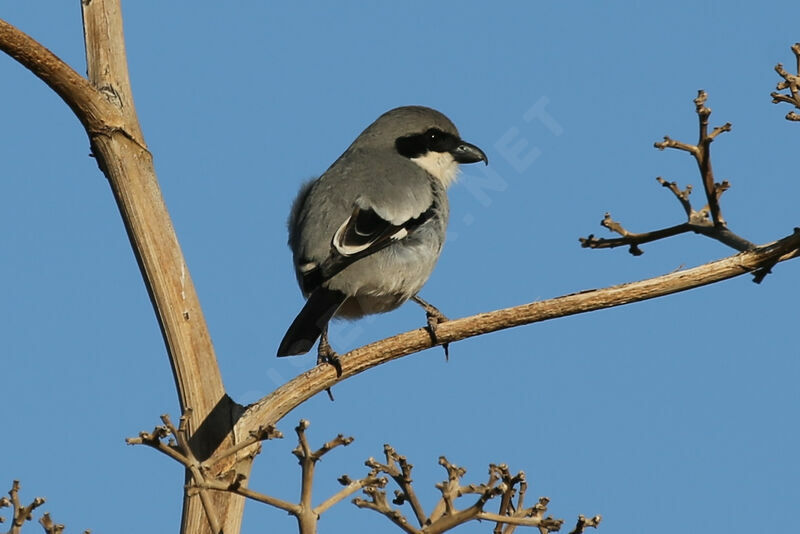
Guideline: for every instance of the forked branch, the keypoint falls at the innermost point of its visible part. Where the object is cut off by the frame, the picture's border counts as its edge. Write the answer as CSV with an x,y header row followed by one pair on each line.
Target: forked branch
x,y
51,527
504,488
790,82
22,513
104,105
173,441
708,220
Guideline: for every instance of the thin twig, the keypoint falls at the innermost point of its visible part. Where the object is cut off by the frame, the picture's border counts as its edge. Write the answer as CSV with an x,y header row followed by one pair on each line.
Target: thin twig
x,y
19,513
194,467
236,488
305,514
398,467
630,239
350,487
506,508
155,439
379,503
447,515
702,153
790,82
51,527
262,433
547,523
584,523
707,221
201,484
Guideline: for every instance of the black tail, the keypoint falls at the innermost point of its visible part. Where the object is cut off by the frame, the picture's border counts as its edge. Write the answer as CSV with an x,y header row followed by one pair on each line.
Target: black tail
x,y
309,323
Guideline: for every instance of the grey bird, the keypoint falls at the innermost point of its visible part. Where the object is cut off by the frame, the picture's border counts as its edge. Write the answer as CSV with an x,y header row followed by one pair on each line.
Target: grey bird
x,y
366,235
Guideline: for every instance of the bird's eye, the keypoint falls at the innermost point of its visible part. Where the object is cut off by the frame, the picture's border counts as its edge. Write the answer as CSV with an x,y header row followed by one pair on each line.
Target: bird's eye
x,y
431,140
436,140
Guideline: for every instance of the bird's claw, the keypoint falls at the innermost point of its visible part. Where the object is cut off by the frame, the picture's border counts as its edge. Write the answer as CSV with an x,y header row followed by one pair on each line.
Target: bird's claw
x,y
326,354
435,318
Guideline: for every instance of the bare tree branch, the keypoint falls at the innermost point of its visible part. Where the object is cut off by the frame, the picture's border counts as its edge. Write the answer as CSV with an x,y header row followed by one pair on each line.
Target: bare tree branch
x,y
307,515
584,523
378,502
447,515
399,469
173,442
707,221
702,153
236,488
104,105
20,513
273,407
350,487
631,239
95,113
50,526
790,82
201,480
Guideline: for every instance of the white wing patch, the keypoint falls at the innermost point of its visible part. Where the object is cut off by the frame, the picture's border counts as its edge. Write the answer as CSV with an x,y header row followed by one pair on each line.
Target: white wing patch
x,y
343,248
400,234
378,235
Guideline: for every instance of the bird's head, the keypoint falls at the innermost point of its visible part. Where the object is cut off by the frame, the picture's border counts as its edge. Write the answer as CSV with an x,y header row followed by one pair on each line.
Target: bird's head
x,y
426,137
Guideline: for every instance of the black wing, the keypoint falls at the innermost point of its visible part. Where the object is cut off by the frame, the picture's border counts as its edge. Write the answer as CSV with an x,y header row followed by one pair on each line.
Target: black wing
x,y
363,233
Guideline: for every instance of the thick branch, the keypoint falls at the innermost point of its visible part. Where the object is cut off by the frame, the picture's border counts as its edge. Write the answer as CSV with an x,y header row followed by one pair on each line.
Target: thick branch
x,y
107,62
93,110
104,105
276,405
129,169
105,108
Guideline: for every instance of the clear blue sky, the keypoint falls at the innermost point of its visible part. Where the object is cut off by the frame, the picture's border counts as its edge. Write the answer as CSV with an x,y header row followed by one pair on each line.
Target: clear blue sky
x,y
675,414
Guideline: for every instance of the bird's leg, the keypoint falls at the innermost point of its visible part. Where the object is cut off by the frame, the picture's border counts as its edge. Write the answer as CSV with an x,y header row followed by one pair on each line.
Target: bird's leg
x,y
326,354
435,318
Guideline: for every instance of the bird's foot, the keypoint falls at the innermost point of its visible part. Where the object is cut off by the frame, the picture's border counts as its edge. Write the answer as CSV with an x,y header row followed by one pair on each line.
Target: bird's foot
x,y
326,354
435,318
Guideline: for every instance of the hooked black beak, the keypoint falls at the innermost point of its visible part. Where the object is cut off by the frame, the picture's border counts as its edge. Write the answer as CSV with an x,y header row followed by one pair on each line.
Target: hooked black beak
x,y
468,153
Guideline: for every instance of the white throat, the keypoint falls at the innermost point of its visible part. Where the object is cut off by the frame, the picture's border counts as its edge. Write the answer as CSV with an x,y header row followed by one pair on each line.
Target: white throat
x,y
440,165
